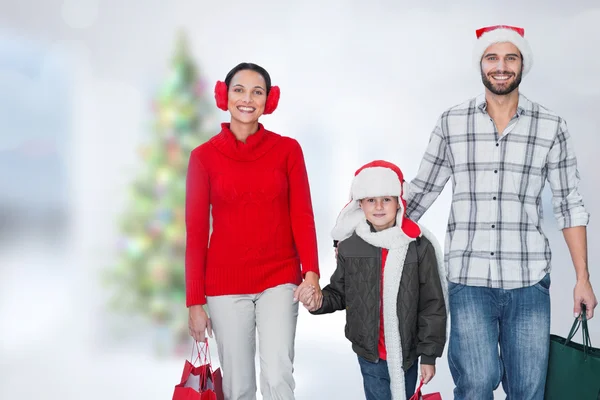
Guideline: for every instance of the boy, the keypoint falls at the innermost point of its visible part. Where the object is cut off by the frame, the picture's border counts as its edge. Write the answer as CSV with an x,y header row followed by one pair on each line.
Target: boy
x,y
388,279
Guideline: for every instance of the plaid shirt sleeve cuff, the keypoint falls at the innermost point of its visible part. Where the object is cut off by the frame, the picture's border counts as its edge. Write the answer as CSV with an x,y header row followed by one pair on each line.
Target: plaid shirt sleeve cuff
x,y
573,220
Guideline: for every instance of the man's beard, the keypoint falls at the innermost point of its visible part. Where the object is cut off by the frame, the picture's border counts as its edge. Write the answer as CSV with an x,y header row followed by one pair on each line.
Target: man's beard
x,y
502,91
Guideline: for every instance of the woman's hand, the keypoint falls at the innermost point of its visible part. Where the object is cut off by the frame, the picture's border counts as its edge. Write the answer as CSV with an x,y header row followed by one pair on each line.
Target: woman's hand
x,y
309,292
304,294
198,323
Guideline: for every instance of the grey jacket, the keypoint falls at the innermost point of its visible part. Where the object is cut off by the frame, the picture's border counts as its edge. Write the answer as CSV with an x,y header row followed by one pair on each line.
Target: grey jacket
x,y
355,286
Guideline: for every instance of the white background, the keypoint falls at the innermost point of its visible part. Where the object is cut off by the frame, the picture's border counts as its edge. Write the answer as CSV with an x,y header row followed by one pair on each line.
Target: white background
x,y
360,80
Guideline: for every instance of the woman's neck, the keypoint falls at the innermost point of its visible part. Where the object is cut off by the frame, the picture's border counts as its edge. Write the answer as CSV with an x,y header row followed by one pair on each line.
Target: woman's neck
x,y
241,131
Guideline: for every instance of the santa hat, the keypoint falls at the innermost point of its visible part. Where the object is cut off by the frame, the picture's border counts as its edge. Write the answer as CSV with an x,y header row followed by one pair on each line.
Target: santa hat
x,y
375,179
499,34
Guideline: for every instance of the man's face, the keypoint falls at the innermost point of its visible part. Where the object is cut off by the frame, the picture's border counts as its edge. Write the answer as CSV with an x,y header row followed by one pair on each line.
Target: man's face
x,y
501,68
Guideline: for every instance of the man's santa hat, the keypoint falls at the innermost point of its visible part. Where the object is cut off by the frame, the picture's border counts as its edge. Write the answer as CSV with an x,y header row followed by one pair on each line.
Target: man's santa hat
x,y
500,34
376,179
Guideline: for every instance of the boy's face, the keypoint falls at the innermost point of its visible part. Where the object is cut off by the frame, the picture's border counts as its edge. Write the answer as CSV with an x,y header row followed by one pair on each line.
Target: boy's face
x,y
380,211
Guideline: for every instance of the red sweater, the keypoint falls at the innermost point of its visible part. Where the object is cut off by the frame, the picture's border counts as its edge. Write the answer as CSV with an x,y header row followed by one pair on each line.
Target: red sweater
x,y
262,219
381,344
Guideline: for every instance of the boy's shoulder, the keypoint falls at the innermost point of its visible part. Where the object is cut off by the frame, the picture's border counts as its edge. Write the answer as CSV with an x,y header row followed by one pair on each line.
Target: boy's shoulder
x,y
417,248
421,244
355,246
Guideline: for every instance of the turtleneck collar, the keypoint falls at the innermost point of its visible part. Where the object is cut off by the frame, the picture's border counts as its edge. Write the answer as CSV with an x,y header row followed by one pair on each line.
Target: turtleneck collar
x,y
257,144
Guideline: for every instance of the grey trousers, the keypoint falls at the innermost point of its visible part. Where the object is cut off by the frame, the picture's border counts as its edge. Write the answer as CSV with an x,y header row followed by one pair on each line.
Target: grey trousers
x,y
235,321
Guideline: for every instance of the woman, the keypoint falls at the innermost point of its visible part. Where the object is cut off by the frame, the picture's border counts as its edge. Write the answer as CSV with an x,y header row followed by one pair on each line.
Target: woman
x,y
263,246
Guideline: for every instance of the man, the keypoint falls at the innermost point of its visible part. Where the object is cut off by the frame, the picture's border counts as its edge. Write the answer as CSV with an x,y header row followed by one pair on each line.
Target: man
x,y
500,148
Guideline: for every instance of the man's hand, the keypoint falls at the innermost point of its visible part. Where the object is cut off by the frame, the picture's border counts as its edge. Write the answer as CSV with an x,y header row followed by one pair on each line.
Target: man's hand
x,y
583,293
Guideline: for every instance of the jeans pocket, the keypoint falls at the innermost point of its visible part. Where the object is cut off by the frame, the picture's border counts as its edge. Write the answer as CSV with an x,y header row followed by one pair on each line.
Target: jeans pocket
x,y
454,288
544,284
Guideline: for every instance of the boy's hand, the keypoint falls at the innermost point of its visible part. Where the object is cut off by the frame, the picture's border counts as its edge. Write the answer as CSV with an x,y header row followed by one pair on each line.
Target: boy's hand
x,y
427,372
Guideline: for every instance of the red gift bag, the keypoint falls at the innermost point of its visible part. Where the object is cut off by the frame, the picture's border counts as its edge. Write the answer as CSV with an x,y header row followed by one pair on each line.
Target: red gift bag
x,y
419,396
199,383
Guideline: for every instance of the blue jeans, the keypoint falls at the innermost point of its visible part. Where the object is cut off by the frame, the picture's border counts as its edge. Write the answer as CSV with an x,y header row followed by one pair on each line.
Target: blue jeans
x,y
376,379
518,321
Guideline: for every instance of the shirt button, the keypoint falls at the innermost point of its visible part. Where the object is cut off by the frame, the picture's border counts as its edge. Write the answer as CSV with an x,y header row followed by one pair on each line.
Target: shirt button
x,y
497,144
495,171
493,226
494,197
492,253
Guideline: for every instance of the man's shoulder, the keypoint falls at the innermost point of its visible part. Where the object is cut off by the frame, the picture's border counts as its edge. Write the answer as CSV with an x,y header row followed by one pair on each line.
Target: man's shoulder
x,y
534,108
457,114
461,110
465,105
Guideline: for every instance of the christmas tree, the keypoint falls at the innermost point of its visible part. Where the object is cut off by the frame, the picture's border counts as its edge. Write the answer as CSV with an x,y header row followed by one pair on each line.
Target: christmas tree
x,y
148,278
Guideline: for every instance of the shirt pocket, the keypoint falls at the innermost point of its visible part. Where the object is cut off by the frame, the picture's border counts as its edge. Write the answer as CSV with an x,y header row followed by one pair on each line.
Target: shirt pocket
x,y
526,181
525,187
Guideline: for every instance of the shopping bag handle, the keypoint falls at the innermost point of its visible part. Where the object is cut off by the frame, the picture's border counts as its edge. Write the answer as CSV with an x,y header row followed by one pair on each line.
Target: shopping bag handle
x,y
206,360
581,320
573,331
587,341
418,395
202,354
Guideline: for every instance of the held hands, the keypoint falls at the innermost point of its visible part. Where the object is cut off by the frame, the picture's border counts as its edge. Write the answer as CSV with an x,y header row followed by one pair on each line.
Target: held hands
x,y
309,292
198,323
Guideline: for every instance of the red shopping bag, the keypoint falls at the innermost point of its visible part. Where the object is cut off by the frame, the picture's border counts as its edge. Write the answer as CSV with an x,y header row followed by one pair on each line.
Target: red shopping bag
x,y
419,396
199,383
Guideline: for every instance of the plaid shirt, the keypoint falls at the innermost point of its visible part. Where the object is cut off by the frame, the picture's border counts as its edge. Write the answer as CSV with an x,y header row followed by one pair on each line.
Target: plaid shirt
x,y
494,236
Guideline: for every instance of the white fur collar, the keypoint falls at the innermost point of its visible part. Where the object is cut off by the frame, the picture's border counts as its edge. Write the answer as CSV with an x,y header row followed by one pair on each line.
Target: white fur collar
x,y
391,238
